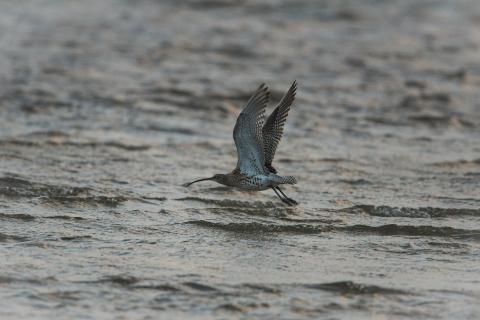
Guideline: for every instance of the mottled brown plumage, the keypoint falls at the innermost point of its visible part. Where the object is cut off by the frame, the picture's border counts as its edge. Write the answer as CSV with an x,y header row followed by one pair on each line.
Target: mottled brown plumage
x,y
256,142
272,131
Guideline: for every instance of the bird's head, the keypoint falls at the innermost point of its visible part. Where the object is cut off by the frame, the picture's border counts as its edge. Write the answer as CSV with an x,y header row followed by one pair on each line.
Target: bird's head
x,y
220,178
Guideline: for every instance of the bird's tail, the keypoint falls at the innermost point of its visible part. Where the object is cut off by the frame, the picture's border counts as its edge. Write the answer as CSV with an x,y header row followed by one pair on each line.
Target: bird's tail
x,y
284,179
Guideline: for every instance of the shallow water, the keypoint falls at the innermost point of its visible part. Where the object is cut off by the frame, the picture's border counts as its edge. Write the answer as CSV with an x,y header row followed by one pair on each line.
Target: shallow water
x,y
106,109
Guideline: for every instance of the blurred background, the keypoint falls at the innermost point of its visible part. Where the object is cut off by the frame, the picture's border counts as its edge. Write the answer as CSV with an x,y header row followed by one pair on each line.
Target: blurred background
x,y
107,107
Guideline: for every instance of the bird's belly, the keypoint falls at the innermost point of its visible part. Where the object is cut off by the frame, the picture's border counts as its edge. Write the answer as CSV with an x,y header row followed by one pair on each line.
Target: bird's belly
x,y
251,188
255,183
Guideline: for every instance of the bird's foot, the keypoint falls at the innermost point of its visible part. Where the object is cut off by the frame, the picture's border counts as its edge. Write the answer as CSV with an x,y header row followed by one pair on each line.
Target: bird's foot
x,y
289,201
284,198
293,202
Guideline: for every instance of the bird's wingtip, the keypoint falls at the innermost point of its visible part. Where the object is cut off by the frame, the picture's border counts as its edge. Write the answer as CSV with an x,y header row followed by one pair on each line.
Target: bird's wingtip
x,y
263,87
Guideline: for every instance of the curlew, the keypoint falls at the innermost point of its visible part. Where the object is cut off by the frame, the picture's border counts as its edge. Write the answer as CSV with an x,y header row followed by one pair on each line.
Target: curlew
x,y
256,141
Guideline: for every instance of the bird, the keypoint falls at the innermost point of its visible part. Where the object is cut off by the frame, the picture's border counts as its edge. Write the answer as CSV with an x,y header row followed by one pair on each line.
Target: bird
x,y
256,141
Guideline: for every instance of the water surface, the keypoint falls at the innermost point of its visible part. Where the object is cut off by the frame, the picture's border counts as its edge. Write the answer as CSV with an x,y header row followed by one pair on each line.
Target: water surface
x,y
106,108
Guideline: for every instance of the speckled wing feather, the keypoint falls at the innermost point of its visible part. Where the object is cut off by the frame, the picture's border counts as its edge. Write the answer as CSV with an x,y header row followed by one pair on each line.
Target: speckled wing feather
x,y
248,134
273,129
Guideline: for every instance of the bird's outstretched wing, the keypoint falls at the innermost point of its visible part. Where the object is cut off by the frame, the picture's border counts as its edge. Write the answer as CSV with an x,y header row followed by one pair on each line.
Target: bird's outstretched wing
x,y
273,129
248,134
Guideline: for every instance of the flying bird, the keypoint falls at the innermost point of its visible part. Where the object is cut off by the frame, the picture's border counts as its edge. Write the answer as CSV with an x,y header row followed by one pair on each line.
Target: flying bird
x,y
256,141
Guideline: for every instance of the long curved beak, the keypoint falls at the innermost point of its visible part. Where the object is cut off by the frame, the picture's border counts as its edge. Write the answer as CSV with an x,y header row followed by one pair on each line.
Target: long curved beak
x,y
190,183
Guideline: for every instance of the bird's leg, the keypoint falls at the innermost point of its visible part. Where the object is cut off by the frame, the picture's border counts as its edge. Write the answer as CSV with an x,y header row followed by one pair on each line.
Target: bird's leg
x,y
289,199
284,200
281,198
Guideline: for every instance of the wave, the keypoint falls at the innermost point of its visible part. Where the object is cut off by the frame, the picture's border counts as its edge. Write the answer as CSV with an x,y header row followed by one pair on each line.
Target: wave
x,y
52,194
383,230
27,217
408,230
422,212
254,227
64,217
159,287
353,288
55,141
4,279
133,282
121,280
457,164
262,288
11,238
75,238
18,216
89,200
17,187
199,286
355,182
230,203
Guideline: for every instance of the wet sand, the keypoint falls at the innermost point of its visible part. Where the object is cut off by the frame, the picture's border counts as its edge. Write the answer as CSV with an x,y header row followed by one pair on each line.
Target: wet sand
x,y
106,109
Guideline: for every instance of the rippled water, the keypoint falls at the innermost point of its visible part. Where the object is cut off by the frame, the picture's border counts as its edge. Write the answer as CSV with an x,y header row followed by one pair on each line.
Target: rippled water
x,y
106,108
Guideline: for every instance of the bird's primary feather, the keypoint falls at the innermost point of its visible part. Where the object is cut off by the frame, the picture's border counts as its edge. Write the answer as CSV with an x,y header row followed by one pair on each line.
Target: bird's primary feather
x,y
273,129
